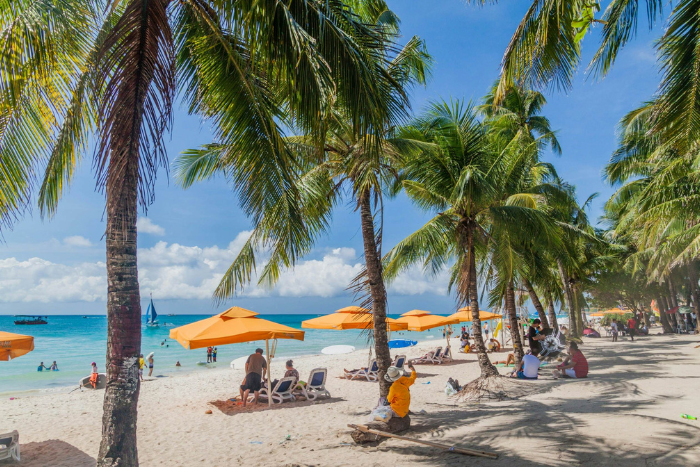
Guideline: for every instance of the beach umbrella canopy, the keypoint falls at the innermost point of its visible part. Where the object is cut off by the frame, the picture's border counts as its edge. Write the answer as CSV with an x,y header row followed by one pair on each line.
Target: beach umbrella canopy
x,y
616,311
350,317
233,326
464,315
14,345
597,315
420,320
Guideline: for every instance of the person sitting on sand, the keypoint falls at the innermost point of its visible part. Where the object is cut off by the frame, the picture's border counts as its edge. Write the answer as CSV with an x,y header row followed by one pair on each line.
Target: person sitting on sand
x,y
574,366
54,366
41,367
254,367
464,344
399,397
528,367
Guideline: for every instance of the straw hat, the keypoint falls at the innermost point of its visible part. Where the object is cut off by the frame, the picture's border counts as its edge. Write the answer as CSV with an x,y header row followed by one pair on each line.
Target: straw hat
x,y
393,374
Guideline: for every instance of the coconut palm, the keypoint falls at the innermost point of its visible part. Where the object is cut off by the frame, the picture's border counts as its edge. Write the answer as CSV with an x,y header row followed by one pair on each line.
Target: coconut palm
x,y
245,66
366,165
461,177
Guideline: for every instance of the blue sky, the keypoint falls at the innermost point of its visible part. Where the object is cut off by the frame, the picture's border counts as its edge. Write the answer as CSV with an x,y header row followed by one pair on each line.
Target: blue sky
x,y
57,266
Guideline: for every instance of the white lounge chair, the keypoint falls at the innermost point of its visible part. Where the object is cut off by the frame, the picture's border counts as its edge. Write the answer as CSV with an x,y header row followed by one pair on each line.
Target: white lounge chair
x,y
430,357
281,392
9,445
399,362
316,386
371,373
447,355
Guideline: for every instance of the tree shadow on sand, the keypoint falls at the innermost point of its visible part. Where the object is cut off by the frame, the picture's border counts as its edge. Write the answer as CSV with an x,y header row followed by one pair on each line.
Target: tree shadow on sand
x,y
53,452
556,433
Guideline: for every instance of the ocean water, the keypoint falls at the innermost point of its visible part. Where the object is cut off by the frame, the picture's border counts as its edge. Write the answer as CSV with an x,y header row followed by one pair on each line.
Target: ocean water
x,y
75,342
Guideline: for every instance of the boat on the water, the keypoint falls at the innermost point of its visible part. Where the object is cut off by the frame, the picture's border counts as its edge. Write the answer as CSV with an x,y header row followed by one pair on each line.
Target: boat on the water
x,y
151,315
30,319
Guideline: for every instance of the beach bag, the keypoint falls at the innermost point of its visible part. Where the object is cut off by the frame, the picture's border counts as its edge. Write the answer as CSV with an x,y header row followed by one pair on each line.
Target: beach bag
x,y
381,413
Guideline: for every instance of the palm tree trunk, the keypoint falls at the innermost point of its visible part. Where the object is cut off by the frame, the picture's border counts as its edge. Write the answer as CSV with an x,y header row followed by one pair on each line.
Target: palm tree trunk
x,y
373,263
514,325
673,301
536,302
661,303
550,311
472,293
118,446
573,331
695,292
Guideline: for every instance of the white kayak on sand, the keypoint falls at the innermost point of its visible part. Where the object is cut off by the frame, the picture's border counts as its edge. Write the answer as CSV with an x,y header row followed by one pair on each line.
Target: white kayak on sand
x,y
101,382
338,349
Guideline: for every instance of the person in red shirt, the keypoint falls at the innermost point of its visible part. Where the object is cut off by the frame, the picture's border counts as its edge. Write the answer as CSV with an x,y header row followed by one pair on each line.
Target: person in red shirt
x,y
575,365
632,327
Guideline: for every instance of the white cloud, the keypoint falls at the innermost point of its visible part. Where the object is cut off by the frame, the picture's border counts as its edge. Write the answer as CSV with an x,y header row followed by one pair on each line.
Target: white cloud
x,y
77,240
174,271
145,225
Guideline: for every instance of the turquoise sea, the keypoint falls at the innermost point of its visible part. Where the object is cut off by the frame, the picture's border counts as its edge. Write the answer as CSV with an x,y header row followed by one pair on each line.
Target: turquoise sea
x,y
75,342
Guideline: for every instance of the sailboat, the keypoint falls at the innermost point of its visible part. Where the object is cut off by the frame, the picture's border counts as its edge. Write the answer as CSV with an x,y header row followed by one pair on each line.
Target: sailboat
x,y
151,315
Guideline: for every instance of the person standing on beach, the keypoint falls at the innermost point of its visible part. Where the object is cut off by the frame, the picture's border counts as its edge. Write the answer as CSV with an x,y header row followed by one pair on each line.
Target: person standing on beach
x,y
150,364
613,328
486,331
534,337
209,351
254,368
141,365
631,327
213,354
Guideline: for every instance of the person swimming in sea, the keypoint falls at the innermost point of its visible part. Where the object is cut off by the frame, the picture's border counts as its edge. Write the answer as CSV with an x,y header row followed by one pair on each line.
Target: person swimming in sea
x,y
54,366
41,367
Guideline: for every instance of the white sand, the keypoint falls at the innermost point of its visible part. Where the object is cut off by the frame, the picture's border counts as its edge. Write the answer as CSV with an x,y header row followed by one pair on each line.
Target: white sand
x,y
627,413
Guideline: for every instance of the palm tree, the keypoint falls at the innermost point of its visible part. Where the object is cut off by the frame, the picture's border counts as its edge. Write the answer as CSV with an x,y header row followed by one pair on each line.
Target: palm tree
x,y
364,163
112,67
459,176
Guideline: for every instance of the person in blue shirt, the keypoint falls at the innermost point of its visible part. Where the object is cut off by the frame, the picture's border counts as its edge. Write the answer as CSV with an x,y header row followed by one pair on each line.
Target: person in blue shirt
x,y
41,367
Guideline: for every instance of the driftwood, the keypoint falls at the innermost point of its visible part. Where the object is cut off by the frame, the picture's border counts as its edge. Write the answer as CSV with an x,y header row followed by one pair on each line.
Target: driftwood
x,y
469,452
395,425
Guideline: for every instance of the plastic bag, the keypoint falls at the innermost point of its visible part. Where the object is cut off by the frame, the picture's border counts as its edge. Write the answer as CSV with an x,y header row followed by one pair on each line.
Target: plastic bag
x,y
449,390
381,413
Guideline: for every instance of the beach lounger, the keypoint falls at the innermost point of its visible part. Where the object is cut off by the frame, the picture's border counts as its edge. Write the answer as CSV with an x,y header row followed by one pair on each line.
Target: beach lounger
x,y
371,373
431,357
447,355
399,362
9,445
316,386
281,392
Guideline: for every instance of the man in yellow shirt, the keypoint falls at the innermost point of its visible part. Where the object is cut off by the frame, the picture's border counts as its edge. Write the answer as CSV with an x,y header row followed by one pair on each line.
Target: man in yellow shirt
x,y
399,397
141,362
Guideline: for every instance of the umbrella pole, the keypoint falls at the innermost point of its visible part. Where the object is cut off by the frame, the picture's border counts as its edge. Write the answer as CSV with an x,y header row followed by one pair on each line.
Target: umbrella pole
x,y
269,382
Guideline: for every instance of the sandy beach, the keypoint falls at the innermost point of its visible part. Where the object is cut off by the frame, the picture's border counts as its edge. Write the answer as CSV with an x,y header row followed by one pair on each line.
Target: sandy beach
x,y
627,413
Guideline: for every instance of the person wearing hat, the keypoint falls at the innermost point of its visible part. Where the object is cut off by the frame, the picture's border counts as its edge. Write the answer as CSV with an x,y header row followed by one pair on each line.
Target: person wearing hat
x,y
399,397
94,375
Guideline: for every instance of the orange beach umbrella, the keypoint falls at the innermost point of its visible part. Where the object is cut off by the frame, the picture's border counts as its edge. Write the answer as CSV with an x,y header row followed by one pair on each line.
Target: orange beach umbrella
x,y
233,326
615,311
14,345
419,320
464,315
350,317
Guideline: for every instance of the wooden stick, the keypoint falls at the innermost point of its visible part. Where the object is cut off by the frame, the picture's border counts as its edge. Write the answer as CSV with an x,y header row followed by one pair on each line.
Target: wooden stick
x,y
470,452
